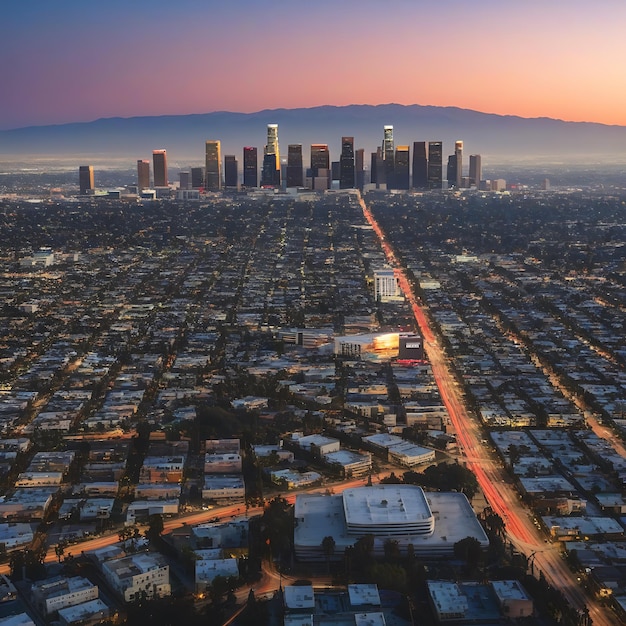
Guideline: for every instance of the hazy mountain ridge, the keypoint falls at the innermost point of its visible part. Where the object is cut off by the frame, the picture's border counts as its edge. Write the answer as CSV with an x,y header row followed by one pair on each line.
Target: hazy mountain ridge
x,y
503,136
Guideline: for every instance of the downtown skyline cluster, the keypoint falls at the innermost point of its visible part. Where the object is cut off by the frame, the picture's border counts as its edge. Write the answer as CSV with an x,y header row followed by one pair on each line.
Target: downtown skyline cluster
x,y
391,167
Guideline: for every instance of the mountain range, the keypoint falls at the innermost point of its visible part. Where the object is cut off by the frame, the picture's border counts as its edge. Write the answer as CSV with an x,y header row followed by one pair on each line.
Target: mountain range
x,y
498,137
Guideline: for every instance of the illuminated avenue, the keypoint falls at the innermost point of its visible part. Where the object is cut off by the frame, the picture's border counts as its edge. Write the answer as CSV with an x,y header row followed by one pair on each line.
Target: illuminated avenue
x,y
504,500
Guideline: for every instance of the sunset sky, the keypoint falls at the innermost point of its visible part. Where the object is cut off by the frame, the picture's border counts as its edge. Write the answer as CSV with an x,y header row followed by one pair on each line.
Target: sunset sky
x,y
70,60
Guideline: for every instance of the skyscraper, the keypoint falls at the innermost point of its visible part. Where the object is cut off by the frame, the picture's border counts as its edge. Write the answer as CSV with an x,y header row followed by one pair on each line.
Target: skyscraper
x,y
435,164
143,175
295,174
213,164
320,165
270,174
401,169
159,167
197,177
475,170
346,164
185,180
458,153
231,173
250,167
388,156
359,163
85,179
420,165
378,175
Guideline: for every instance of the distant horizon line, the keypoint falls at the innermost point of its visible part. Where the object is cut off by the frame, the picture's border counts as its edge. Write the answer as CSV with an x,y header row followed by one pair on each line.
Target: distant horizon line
x,y
303,108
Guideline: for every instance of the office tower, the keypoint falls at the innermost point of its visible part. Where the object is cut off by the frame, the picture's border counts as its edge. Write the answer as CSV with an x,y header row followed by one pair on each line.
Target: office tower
x,y
159,167
374,168
420,165
85,179
346,164
401,169
388,156
295,172
451,171
335,170
213,164
359,163
197,177
475,170
231,174
270,174
250,167
143,175
435,164
185,180
320,166
320,157
378,175
458,153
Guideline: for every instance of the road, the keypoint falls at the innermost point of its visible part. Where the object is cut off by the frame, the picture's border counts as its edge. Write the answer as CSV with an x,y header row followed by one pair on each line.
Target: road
x,y
503,499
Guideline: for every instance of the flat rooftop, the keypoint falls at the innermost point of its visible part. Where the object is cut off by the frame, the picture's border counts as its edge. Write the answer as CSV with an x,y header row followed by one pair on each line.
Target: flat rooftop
x,y
385,504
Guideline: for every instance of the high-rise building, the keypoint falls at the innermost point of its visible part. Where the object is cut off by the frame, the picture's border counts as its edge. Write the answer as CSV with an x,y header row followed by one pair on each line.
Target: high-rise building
x,y
231,171
458,153
378,175
359,164
85,179
159,167
475,170
295,173
451,171
320,157
270,174
346,164
197,177
435,164
320,166
143,175
185,180
388,156
420,165
401,169
213,164
250,167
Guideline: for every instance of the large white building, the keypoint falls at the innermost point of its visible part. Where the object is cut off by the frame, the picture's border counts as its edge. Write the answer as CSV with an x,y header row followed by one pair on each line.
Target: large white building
x,y
387,286
144,574
432,522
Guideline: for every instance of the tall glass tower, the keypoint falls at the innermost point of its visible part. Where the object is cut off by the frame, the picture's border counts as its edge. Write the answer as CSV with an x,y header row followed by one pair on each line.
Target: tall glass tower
x,y
346,163
270,175
435,164
213,175
159,167
388,156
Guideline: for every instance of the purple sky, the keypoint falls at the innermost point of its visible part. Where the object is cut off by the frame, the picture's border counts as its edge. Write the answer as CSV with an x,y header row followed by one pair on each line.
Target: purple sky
x,y
72,61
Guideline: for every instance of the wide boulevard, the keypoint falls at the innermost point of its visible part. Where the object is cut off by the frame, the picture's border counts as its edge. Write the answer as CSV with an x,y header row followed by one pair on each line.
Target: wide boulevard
x,y
543,556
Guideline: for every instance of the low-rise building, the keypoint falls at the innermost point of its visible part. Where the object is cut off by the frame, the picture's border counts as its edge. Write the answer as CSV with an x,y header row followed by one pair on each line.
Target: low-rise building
x,y
59,592
223,487
143,575
85,614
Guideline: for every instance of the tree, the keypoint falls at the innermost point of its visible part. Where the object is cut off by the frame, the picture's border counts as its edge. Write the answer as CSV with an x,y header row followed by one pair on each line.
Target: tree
x,y
328,545
155,526
469,550
391,549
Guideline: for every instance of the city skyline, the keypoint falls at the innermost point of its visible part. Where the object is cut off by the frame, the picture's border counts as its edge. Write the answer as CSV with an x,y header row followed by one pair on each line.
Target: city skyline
x,y
555,60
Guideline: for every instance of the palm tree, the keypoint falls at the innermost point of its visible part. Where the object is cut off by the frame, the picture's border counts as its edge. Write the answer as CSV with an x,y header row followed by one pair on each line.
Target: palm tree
x,y
328,545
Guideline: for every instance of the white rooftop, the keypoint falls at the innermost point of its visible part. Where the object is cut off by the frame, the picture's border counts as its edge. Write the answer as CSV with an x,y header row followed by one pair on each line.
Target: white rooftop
x,y
385,504
364,594
299,597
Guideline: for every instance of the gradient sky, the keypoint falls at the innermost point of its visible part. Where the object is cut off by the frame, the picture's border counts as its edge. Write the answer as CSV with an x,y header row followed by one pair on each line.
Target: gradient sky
x,y
79,60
